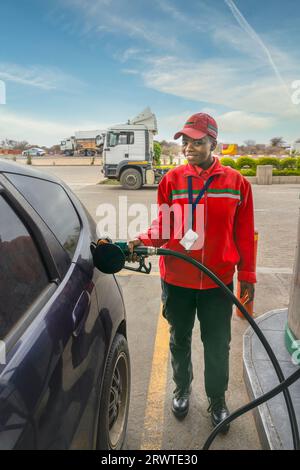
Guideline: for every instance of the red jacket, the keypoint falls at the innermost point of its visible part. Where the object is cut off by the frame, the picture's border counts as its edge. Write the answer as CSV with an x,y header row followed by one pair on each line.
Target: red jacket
x,y
228,226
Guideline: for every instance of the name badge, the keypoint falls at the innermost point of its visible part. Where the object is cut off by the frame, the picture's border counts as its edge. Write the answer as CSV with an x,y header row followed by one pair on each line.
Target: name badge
x,y
189,239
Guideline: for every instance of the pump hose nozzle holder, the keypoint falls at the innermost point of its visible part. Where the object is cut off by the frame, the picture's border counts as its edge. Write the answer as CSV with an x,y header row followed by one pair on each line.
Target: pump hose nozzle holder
x,y
111,257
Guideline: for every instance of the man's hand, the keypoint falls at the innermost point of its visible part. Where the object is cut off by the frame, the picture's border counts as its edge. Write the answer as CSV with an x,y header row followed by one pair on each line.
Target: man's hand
x,y
247,290
133,257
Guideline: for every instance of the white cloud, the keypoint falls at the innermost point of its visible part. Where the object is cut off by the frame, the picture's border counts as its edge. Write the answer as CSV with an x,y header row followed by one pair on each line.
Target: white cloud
x,y
240,121
130,71
114,18
46,78
240,74
231,124
38,131
129,53
236,84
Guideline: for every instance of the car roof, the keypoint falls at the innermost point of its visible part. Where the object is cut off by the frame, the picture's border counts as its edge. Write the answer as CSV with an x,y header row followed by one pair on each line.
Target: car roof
x,y
16,168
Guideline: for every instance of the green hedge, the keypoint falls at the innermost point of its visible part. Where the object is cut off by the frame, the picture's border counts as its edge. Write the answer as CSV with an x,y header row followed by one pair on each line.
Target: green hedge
x,y
243,162
285,167
226,161
269,161
248,172
288,163
287,172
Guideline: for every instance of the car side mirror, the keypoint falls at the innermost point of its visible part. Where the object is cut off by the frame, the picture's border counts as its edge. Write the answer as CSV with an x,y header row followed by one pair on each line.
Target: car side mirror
x,y
108,258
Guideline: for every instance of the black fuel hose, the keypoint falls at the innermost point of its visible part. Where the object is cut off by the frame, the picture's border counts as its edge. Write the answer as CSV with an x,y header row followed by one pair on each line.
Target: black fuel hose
x,y
253,404
284,384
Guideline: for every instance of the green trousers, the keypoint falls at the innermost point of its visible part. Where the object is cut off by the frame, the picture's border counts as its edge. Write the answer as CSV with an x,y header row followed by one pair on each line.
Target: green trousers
x,y
214,312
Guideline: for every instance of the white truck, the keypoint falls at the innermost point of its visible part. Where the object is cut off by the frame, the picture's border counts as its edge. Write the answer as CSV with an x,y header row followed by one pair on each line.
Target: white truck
x,y
295,148
87,143
67,146
128,151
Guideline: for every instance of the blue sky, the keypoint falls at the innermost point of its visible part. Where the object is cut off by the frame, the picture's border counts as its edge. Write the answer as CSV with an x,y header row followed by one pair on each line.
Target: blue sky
x,y
83,64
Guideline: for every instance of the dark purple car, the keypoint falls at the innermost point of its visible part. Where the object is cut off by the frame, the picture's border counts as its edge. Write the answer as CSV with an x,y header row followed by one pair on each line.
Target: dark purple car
x,y
64,360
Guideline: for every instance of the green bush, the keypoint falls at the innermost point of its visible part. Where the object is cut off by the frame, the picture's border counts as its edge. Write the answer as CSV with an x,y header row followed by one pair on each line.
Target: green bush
x,y
157,153
248,172
288,163
269,161
298,163
243,162
287,172
226,161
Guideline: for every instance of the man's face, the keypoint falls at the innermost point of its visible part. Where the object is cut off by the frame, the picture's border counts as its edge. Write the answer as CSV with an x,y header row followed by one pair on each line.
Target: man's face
x,y
196,151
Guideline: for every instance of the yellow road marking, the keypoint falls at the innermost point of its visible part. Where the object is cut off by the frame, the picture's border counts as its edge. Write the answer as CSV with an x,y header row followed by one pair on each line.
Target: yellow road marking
x,y
154,416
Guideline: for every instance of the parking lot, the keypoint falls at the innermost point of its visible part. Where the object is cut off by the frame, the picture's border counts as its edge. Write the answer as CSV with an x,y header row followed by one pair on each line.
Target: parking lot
x,y
151,423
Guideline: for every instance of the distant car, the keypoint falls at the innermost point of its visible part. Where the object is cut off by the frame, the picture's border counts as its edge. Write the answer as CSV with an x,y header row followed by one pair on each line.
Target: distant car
x,y
64,360
34,152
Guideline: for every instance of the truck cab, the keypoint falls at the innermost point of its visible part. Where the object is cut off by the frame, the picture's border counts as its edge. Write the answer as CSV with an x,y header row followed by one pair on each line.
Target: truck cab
x,y
67,146
128,151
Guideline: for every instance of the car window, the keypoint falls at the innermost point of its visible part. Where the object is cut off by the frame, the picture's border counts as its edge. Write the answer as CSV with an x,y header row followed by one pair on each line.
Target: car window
x,y
22,274
53,205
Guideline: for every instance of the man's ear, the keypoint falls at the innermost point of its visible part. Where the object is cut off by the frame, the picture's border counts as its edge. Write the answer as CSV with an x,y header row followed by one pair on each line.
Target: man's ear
x,y
213,146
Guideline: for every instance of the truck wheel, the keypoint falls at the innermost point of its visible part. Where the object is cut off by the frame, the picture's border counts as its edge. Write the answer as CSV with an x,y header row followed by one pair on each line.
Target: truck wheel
x,y
114,402
131,179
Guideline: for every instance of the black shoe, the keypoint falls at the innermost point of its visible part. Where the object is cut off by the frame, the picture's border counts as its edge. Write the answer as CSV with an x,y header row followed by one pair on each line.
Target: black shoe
x,y
180,403
219,412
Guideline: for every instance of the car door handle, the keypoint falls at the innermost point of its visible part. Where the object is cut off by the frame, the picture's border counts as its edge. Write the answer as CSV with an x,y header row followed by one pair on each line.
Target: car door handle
x,y
80,312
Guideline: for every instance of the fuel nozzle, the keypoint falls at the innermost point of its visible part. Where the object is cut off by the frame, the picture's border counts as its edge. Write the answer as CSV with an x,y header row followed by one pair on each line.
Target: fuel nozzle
x,y
111,257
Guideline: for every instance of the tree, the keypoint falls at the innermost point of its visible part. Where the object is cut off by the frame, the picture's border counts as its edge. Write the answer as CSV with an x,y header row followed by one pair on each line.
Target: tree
x,y
14,144
55,149
157,153
21,145
277,142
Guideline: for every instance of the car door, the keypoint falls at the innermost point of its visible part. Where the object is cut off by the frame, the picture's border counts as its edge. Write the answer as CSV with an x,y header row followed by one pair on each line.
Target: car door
x,y
53,363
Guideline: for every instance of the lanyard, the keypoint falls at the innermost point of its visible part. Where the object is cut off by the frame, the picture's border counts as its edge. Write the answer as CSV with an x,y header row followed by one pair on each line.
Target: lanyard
x,y
193,203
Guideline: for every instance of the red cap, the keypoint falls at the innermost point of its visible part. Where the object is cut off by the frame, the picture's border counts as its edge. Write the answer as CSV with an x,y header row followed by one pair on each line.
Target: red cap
x,y
199,125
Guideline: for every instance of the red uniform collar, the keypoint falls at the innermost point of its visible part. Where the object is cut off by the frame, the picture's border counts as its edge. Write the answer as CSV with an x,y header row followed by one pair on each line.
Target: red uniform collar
x,y
215,169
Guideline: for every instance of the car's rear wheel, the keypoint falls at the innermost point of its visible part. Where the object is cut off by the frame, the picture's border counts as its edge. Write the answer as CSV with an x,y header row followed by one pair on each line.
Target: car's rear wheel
x,y
114,402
